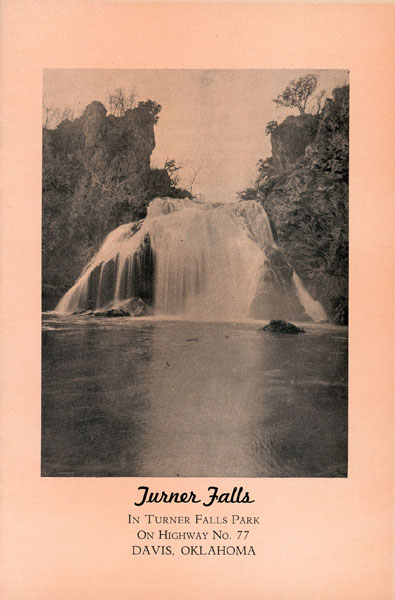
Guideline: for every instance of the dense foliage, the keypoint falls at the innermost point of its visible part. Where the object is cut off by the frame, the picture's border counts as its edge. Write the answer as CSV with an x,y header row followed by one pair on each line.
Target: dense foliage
x,y
304,189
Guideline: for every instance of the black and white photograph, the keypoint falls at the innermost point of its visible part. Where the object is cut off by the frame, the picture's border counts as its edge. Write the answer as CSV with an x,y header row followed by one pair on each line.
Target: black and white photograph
x,y
195,273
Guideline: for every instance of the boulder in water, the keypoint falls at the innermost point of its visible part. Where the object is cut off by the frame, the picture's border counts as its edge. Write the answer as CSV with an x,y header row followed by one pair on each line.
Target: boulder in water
x,y
121,311
282,327
138,308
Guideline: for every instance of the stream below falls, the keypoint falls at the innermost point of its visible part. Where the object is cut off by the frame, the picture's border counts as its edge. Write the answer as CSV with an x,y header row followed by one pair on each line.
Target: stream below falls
x,y
154,397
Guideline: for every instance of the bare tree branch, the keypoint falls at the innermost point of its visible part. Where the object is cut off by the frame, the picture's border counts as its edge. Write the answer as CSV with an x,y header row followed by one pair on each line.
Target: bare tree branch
x,y
120,101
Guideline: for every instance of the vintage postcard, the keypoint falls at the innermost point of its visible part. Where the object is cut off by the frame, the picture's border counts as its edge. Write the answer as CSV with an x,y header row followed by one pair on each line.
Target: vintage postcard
x,y
171,286
196,242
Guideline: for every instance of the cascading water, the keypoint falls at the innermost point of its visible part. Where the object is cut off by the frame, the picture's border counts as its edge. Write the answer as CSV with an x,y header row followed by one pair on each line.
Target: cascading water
x,y
194,260
313,308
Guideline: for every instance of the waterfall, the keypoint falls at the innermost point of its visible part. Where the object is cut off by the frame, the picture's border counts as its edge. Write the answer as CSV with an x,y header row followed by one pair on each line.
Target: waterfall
x,y
312,307
192,260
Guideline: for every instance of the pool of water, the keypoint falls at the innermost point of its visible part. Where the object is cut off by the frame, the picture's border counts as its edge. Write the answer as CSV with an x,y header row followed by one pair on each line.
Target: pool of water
x,y
131,397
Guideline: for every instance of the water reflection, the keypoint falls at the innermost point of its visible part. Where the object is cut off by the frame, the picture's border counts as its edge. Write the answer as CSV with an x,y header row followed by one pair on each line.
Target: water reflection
x,y
124,397
94,399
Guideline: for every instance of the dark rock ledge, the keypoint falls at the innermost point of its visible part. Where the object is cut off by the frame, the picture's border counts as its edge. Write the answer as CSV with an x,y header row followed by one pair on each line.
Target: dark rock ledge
x,y
282,327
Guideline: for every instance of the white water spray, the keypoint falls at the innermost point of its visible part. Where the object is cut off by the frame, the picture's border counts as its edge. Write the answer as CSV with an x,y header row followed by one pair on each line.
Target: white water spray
x,y
195,260
312,307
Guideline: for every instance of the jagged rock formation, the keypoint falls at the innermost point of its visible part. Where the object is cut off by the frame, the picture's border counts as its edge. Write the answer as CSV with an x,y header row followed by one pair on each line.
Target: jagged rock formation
x,y
96,176
290,139
304,189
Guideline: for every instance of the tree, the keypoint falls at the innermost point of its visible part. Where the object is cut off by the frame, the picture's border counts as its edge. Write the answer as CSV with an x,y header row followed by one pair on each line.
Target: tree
x,y
297,93
195,173
53,115
265,169
250,193
270,127
149,110
172,168
120,101
319,101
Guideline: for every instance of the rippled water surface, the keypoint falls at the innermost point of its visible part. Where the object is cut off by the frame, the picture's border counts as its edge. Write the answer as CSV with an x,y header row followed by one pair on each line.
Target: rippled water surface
x,y
130,397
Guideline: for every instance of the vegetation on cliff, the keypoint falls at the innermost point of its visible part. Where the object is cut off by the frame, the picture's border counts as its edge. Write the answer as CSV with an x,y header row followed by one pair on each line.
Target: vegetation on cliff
x,y
303,187
96,176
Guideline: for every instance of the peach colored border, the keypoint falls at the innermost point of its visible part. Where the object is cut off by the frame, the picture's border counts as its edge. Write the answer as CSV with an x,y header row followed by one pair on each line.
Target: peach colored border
x,y
321,538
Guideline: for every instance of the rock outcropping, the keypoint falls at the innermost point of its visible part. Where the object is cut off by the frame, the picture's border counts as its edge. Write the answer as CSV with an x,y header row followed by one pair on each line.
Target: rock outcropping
x,y
96,176
279,326
304,189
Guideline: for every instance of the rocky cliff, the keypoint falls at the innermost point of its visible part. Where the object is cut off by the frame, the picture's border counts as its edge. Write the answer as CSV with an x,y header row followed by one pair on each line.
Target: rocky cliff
x,y
96,176
304,189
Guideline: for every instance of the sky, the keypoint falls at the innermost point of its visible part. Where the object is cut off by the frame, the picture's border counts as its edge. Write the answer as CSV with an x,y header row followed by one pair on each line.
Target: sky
x,y
212,122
